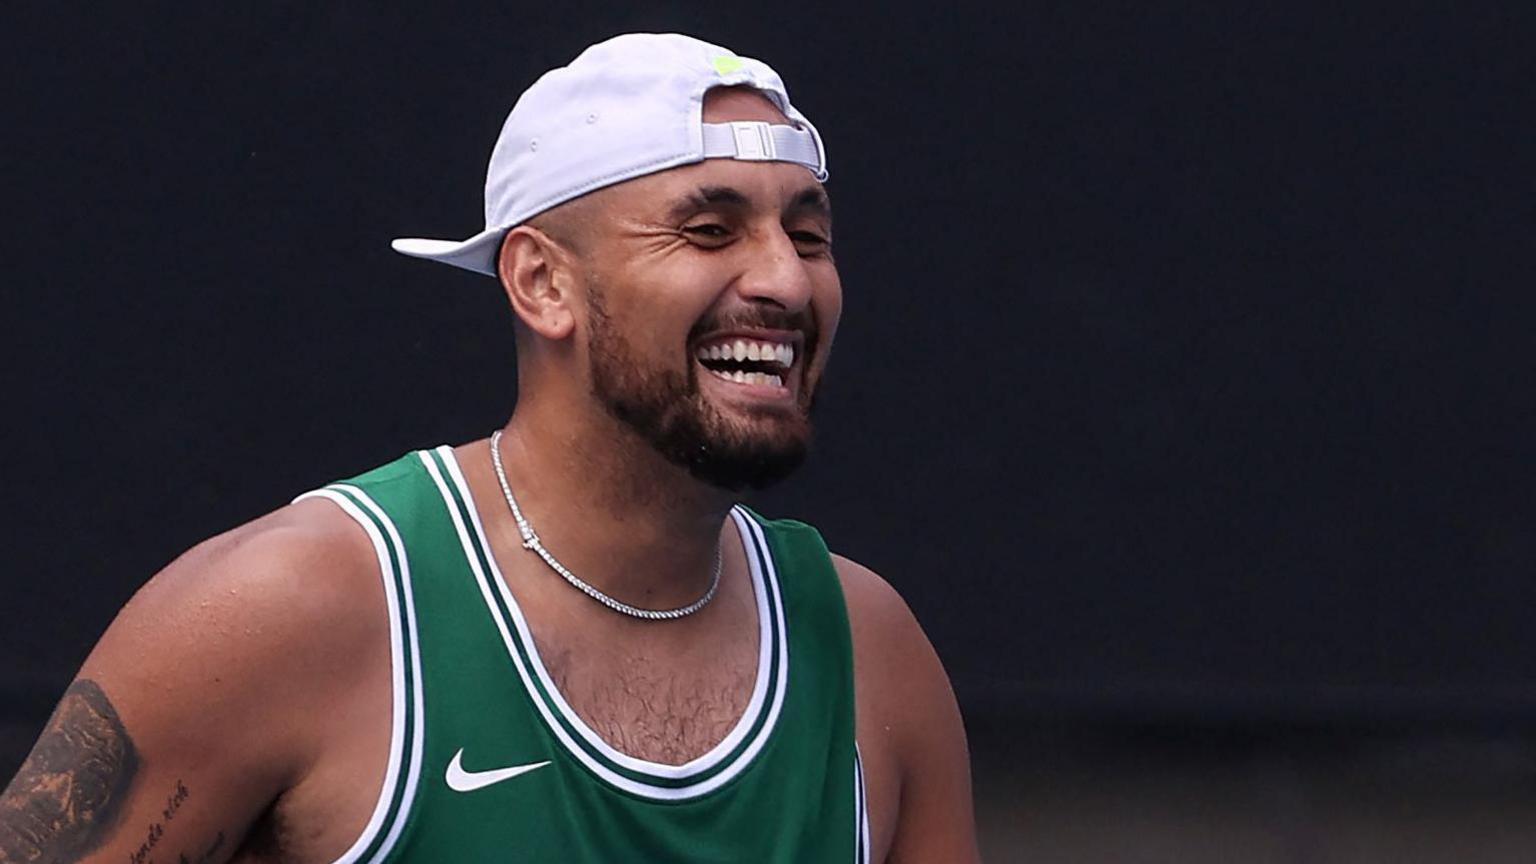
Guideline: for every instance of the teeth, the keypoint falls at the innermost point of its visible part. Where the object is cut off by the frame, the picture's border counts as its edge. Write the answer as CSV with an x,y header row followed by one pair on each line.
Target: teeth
x,y
760,379
742,350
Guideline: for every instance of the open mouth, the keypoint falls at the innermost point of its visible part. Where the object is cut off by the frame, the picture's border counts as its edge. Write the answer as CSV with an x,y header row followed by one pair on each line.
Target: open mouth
x,y
760,362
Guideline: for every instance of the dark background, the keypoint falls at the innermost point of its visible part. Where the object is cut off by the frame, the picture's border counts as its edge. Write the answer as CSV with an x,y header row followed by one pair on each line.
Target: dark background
x,y
1183,389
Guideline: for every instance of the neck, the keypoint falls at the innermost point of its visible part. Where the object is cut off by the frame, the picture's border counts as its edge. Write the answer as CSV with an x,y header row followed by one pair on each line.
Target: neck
x,y
612,510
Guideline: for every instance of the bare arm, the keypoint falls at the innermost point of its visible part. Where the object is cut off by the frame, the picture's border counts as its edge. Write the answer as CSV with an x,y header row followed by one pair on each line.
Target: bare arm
x,y
182,728
910,729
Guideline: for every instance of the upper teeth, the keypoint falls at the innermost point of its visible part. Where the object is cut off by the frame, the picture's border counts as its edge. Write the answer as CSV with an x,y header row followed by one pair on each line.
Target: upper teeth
x,y
781,353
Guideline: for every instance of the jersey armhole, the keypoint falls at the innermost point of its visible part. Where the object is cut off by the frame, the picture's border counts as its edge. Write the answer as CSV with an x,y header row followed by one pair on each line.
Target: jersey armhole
x,y
403,769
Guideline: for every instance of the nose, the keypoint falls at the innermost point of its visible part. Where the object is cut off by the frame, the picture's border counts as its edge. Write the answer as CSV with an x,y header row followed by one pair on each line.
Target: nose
x,y
775,273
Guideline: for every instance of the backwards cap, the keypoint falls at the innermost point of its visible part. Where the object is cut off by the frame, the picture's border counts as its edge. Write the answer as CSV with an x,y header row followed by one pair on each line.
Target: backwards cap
x,y
624,108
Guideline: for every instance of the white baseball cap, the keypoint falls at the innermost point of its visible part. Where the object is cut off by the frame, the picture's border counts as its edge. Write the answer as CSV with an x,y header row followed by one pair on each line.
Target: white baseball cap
x,y
624,108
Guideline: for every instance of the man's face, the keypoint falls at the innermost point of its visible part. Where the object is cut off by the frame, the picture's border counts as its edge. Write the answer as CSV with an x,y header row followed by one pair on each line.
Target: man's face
x,y
712,302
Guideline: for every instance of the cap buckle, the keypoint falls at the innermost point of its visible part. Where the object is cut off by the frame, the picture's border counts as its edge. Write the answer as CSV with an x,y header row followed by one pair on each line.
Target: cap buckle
x,y
754,140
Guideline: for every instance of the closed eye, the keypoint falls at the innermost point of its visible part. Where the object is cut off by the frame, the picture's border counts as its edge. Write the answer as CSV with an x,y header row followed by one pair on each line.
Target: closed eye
x,y
809,244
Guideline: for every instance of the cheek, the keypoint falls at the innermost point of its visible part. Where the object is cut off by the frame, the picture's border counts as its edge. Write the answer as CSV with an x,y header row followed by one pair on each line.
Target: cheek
x,y
675,313
655,314
827,303
659,332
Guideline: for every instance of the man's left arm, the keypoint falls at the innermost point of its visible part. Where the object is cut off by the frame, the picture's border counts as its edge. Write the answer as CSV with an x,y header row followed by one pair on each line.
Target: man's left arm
x,y
910,730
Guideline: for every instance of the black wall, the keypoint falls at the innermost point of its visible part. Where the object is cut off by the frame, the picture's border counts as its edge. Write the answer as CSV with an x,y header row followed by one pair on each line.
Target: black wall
x,y
1185,371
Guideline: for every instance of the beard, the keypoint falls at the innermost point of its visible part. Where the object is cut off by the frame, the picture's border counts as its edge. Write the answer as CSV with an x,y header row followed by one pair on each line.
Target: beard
x,y
667,409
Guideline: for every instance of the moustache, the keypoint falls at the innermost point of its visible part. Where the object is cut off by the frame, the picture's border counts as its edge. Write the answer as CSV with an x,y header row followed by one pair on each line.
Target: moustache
x,y
770,318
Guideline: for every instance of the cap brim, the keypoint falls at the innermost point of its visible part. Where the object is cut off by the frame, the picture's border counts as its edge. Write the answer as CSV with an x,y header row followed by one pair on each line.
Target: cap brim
x,y
478,253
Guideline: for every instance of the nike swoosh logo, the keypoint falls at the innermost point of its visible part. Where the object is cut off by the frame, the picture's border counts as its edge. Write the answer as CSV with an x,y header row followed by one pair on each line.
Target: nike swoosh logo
x,y
460,780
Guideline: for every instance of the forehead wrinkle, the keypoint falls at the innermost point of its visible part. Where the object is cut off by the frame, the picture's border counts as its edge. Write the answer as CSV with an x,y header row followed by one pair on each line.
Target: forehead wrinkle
x,y
812,199
705,197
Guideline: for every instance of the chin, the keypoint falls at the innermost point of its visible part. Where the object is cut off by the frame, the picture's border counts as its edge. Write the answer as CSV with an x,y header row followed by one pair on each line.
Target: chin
x,y
737,470
755,452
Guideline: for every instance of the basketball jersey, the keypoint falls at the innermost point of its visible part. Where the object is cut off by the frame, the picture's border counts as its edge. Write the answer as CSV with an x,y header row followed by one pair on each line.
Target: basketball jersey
x,y
489,763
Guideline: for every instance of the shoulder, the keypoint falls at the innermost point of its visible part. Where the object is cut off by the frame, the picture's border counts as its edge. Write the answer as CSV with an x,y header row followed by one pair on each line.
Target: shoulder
x,y
213,693
872,598
910,730
262,621
893,659
302,565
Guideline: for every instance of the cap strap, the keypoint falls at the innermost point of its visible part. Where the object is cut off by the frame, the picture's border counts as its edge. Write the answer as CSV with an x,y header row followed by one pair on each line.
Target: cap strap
x,y
756,141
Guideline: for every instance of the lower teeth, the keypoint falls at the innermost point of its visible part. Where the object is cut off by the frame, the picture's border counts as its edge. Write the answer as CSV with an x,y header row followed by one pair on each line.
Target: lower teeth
x,y
756,378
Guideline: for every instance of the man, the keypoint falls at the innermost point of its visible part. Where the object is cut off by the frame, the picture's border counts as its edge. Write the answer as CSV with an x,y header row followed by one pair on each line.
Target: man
x,y
566,643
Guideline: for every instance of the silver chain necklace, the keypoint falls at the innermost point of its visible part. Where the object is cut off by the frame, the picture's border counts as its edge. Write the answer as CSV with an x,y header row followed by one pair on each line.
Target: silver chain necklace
x,y
531,541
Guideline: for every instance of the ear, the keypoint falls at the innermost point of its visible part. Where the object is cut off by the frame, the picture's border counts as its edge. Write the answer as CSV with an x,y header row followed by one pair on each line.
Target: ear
x,y
534,272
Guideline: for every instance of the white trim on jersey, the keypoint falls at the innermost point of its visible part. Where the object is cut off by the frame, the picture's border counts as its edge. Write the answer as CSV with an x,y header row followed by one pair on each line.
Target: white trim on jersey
x,y
398,651
861,851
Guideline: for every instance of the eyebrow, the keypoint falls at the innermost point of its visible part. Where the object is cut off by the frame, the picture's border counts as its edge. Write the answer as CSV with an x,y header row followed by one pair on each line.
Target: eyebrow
x,y
812,198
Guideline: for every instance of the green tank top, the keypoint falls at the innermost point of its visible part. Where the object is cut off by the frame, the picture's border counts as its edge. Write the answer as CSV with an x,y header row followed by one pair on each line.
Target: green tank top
x,y
488,763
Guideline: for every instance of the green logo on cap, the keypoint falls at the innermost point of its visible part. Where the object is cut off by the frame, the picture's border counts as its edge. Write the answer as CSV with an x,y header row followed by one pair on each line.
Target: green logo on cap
x,y
727,65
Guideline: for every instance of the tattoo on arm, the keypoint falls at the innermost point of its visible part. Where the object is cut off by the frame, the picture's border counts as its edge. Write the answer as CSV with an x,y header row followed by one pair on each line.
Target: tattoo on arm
x,y
72,788
156,831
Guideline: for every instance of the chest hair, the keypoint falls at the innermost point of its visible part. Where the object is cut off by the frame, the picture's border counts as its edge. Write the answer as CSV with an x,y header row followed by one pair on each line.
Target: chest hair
x,y
667,712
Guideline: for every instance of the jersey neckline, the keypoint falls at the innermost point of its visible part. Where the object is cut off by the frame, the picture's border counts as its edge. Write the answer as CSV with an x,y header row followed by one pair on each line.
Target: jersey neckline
x,y
644,778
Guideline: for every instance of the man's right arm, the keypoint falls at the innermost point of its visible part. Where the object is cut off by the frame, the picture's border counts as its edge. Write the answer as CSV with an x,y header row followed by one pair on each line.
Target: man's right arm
x,y
203,701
